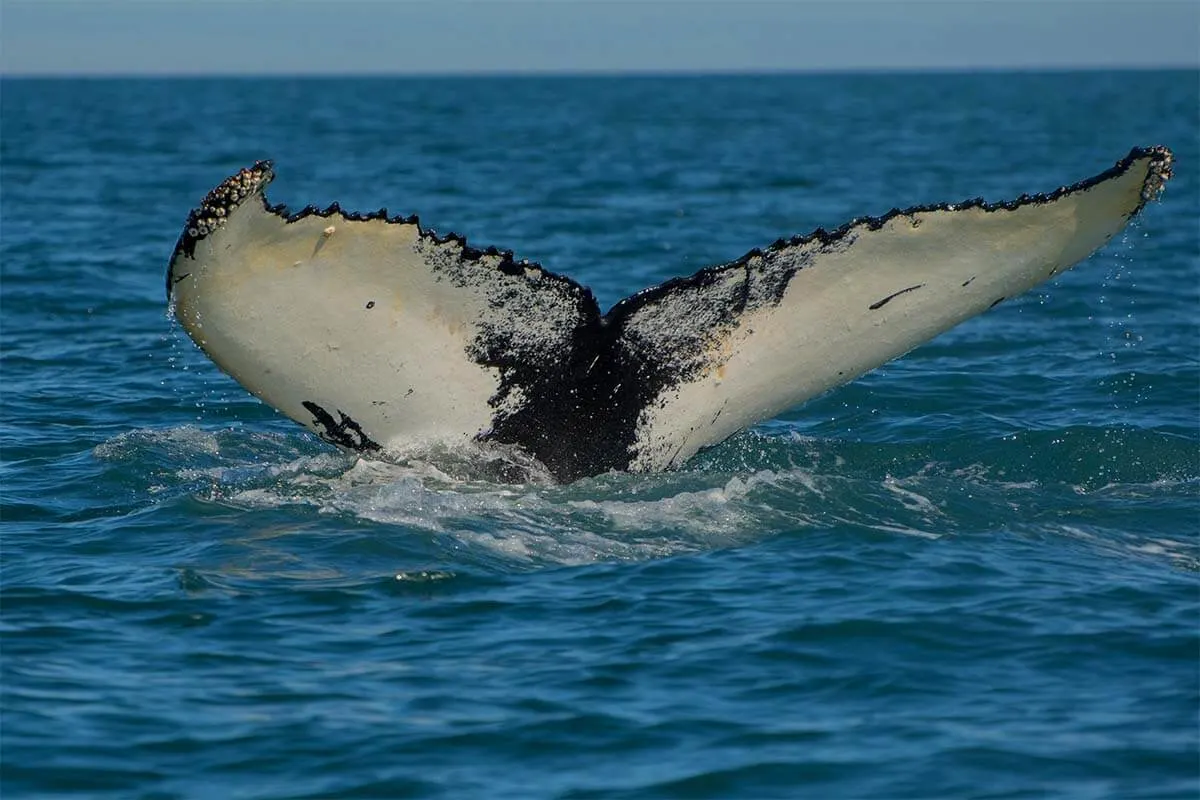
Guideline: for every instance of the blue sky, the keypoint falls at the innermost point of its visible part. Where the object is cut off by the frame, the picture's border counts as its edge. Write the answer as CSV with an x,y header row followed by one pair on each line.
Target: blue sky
x,y
352,36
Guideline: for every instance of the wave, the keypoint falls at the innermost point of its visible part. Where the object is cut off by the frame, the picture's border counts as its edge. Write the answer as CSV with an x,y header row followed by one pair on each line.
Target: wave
x,y
496,509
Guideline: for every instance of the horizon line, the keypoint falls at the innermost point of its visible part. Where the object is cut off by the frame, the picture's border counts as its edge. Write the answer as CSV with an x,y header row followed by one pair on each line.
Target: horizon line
x,y
668,72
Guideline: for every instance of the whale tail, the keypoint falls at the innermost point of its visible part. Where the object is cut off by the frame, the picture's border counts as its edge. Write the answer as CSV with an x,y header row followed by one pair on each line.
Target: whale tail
x,y
376,333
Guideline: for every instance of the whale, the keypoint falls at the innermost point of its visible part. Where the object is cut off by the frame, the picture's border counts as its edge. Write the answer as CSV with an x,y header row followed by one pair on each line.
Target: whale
x,y
380,335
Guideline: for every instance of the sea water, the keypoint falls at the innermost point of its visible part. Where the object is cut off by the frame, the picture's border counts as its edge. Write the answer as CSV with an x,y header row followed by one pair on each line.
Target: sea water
x,y
971,573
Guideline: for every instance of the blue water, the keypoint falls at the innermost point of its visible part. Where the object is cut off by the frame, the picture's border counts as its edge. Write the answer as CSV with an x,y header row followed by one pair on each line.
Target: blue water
x,y
972,573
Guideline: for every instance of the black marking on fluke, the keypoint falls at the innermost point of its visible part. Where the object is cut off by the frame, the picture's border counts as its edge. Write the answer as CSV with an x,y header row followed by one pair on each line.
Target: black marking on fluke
x,y
581,404
881,303
343,433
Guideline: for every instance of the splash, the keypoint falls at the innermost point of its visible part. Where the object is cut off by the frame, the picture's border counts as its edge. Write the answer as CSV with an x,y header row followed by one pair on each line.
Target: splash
x,y
755,487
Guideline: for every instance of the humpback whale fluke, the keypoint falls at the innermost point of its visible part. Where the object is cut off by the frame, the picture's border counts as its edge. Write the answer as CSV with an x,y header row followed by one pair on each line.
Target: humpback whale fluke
x,y
376,333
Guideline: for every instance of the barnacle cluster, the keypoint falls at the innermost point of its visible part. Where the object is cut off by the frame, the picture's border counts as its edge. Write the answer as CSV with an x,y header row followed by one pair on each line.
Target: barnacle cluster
x,y
218,203
1160,172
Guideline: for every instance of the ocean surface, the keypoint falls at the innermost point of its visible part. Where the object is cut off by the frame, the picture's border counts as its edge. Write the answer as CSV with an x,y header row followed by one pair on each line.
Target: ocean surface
x,y
974,573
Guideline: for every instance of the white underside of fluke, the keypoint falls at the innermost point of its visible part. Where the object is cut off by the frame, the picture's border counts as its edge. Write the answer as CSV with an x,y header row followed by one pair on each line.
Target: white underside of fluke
x,y
872,297
313,311
378,335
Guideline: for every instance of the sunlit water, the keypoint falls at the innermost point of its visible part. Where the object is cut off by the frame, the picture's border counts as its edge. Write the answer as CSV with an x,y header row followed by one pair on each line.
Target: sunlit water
x,y
972,573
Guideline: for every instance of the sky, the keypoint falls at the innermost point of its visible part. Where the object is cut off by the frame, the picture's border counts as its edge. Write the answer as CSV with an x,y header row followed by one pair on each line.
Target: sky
x,y
186,37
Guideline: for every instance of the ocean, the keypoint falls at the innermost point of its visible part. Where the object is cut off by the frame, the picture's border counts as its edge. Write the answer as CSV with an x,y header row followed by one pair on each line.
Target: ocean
x,y
972,573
